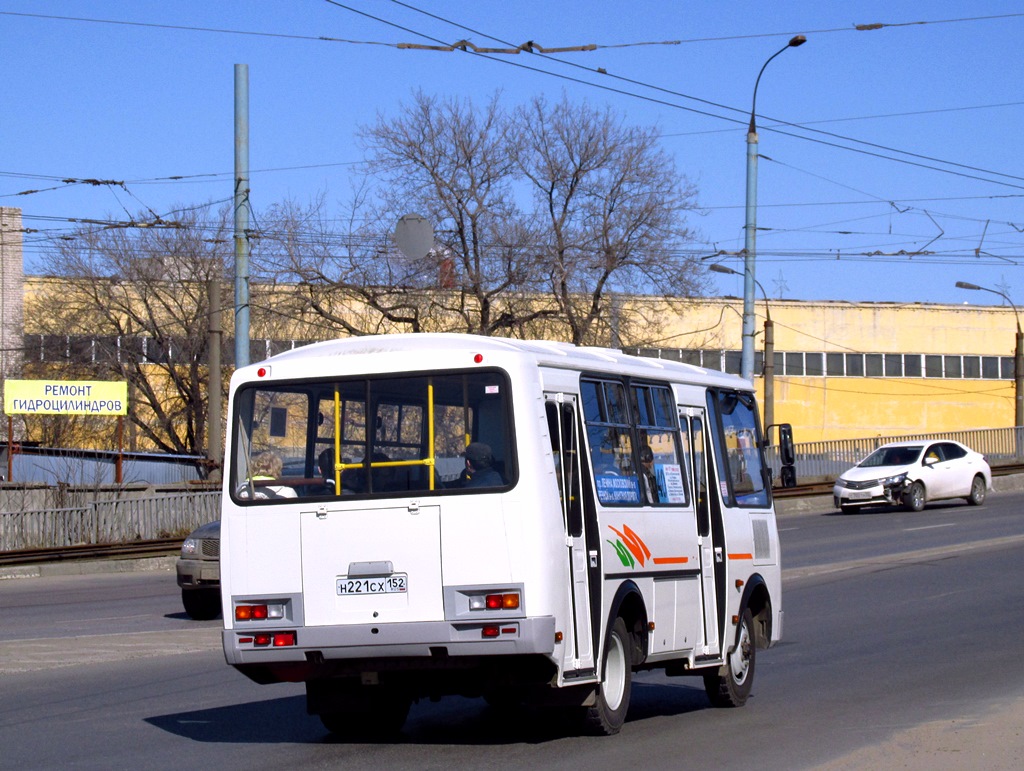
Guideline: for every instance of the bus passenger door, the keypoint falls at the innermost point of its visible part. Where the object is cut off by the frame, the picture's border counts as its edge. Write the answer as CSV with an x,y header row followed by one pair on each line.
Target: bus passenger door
x,y
563,426
693,422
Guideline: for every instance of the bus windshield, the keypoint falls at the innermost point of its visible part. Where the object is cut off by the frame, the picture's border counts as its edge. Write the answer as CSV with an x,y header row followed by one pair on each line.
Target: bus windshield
x,y
373,437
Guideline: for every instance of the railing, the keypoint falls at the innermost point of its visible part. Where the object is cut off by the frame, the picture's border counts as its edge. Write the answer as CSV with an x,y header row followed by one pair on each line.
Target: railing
x,y
122,520
825,461
112,521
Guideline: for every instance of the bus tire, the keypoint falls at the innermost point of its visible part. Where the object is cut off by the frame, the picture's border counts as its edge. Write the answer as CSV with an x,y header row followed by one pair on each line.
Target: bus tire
x,y
201,604
367,713
729,686
608,713
913,498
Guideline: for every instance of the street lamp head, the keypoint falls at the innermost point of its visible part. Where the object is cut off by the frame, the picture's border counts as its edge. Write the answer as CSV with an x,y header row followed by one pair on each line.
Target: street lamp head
x,y
797,40
965,285
716,268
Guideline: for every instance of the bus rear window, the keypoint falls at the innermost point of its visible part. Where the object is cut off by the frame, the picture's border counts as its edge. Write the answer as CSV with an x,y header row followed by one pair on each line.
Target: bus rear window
x,y
377,437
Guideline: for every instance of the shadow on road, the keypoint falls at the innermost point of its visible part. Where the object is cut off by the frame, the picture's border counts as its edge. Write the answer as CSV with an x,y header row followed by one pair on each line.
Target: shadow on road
x,y
453,720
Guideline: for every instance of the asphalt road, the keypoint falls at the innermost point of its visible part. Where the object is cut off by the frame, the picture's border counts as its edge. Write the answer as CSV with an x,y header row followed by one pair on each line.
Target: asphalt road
x,y
903,648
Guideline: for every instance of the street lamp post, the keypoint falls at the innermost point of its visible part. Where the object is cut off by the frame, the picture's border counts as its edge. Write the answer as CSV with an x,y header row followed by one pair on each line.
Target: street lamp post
x,y
769,352
1018,354
750,226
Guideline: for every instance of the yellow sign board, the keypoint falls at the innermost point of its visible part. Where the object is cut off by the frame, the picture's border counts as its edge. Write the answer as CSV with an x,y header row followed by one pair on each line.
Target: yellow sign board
x,y
65,397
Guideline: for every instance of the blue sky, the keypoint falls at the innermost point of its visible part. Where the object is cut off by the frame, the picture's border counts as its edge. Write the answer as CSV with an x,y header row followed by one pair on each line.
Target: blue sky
x,y
889,163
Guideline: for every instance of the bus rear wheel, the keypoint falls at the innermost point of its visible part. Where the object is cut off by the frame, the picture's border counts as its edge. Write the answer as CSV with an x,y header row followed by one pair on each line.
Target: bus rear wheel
x,y
360,713
730,685
608,713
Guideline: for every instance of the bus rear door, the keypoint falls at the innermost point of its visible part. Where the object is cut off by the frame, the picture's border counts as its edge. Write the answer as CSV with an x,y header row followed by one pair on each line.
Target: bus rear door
x,y
563,425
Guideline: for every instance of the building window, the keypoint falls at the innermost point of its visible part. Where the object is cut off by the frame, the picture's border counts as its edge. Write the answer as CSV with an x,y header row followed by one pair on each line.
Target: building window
x,y
733,361
990,367
933,366
953,366
794,364
972,366
912,365
873,365
834,364
855,365
894,365
815,363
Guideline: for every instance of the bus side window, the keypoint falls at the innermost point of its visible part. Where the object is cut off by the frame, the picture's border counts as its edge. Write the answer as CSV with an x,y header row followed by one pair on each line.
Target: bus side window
x,y
565,449
700,477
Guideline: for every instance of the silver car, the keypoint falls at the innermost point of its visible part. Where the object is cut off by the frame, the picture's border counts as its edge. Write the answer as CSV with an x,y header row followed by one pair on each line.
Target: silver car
x,y
199,572
911,473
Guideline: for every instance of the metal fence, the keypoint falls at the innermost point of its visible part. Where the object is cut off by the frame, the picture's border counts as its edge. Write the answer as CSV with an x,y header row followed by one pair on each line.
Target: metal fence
x,y
173,514
825,461
110,521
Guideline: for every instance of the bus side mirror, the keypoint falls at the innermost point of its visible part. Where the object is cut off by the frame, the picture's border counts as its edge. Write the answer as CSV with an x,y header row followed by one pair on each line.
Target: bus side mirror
x,y
787,451
788,476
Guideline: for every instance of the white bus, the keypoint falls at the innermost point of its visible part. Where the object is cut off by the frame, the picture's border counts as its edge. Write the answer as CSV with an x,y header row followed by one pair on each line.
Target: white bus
x,y
412,516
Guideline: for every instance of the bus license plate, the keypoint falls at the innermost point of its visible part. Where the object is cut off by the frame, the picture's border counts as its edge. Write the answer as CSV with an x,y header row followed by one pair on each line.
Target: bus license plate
x,y
395,583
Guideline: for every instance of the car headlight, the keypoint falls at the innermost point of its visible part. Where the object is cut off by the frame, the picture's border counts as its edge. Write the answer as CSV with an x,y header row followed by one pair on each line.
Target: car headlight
x,y
894,481
189,547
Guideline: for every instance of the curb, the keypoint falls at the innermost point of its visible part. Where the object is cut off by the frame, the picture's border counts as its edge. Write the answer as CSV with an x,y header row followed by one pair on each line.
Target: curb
x,y
89,567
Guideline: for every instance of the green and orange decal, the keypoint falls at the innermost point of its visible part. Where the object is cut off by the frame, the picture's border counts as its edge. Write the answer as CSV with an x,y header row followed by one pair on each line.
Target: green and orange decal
x,y
631,550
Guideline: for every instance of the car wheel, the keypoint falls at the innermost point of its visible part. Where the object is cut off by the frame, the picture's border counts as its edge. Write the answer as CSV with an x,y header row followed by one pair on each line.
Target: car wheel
x,y
201,604
609,712
913,498
730,685
977,496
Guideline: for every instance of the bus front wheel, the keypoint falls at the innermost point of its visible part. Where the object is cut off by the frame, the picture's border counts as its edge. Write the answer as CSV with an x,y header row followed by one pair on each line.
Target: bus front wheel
x,y
608,713
729,686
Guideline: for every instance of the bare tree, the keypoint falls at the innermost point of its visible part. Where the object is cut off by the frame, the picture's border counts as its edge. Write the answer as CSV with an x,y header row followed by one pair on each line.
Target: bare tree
x,y
546,219
610,212
138,295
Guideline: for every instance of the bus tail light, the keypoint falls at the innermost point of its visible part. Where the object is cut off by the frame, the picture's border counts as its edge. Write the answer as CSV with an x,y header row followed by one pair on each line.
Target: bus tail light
x,y
258,612
508,601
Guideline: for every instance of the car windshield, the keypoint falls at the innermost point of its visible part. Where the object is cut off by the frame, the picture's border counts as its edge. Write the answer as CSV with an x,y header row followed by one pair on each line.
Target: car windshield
x,y
892,456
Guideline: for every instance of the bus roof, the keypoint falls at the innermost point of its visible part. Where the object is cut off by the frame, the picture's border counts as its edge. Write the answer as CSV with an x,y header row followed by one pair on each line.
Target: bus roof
x,y
545,353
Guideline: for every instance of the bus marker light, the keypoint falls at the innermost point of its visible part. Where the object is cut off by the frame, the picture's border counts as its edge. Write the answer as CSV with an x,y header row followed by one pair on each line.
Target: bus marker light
x,y
508,630
491,630
263,372
261,639
244,640
478,358
558,637
739,583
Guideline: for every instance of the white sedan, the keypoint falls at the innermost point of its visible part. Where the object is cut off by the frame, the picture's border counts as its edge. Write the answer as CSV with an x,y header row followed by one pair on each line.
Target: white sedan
x,y
911,473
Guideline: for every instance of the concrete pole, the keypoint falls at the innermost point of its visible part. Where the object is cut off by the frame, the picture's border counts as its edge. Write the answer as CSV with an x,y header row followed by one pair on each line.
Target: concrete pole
x,y
769,376
749,254
750,228
213,388
241,215
1018,378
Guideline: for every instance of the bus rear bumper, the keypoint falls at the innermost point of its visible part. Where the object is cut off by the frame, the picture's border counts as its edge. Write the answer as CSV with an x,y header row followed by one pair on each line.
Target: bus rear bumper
x,y
275,655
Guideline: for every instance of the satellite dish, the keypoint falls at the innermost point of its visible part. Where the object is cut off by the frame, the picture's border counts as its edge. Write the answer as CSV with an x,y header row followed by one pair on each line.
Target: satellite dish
x,y
414,236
